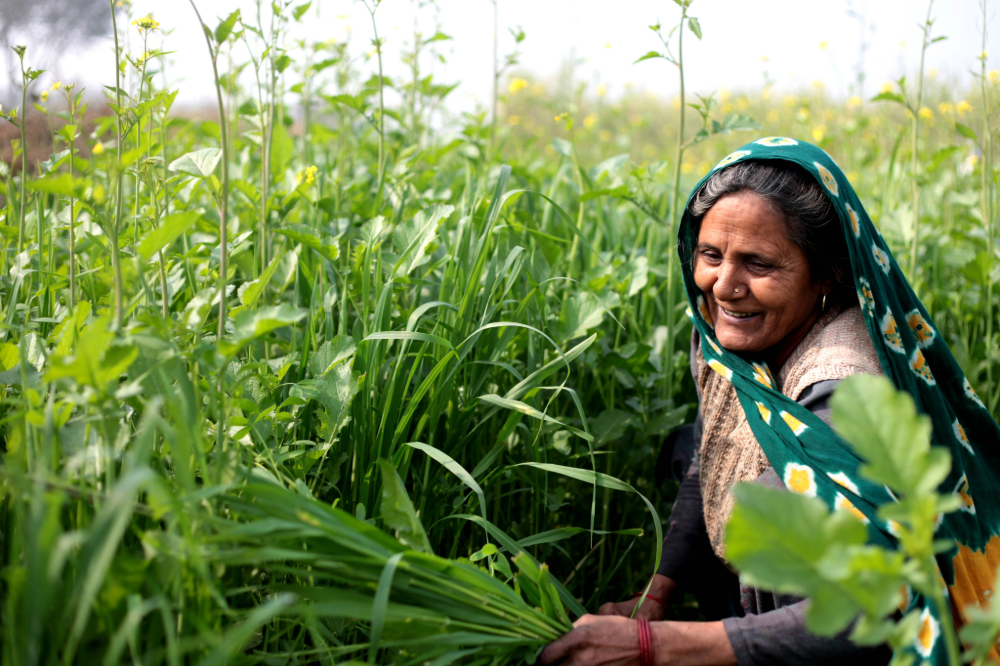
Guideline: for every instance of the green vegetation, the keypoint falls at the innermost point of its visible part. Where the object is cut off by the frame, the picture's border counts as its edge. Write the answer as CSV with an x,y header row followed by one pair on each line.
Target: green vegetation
x,y
313,382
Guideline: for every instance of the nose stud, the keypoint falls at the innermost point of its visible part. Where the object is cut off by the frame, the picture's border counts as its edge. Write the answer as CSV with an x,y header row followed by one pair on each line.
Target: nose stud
x,y
736,290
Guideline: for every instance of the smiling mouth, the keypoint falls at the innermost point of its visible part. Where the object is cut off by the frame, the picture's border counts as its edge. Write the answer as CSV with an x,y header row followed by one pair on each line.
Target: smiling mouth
x,y
739,315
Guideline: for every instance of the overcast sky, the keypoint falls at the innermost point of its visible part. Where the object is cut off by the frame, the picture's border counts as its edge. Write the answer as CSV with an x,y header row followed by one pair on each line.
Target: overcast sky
x,y
796,41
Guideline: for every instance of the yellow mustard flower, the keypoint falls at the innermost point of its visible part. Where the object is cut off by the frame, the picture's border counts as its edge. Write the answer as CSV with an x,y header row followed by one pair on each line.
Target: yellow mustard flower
x,y
146,24
993,76
853,102
602,90
308,175
888,87
963,108
925,113
56,86
818,132
517,85
590,120
561,117
44,95
946,108
823,45
98,149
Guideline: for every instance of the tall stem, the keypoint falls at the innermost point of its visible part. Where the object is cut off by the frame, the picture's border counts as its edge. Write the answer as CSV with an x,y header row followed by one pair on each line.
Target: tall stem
x,y
913,154
224,197
115,261
986,203
24,162
671,255
381,109
496,72
72,233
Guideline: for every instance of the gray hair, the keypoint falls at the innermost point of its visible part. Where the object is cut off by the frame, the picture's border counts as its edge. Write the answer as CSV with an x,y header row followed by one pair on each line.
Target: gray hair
x,y
813,223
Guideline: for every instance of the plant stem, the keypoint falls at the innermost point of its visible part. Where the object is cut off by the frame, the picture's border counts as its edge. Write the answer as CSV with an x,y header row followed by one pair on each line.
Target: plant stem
x,y
115,261
381,109
24,161
986,203
224,197
926,27
671,222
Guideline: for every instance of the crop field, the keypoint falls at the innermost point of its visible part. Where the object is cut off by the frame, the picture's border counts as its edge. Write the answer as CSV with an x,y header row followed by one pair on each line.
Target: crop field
x,y
313,379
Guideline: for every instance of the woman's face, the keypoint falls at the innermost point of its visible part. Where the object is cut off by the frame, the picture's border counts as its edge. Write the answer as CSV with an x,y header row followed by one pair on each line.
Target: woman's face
x,y
755,279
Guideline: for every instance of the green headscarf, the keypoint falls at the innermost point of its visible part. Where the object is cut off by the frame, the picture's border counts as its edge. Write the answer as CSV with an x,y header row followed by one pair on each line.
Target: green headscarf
x,y
810,457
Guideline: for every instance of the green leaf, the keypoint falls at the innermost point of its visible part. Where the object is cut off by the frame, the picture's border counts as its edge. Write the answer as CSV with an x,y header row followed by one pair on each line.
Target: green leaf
x,y
793,544
738,121
170,229
966,131
460,472
282,150
580,313
332,352
335,391
250,292
524,408
649,56
398,512
326,246
695,27
299,11
883,426
411,238
224,28
889,97
409,335
199,163
62,185
350,101
563,147
251,324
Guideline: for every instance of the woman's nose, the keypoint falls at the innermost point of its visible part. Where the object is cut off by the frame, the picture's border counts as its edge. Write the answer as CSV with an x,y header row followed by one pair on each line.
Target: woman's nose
x,y
729,284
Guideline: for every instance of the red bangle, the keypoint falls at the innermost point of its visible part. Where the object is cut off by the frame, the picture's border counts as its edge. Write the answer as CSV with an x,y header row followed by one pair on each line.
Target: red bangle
x,y
650,596
645,644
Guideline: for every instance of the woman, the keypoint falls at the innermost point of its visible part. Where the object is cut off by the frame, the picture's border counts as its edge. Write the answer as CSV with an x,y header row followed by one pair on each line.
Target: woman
x,y
791,290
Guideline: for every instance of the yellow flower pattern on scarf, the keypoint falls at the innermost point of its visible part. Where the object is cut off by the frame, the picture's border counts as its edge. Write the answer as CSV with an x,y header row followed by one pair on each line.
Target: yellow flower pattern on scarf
x,y
960,435
777,141
765,413
962,492
798,427
928,634
841,503
890,331
703,311
763,375
828,179
730,158
854,221
922,331
800,479
971,392
881,257
921,368
866,298
721,369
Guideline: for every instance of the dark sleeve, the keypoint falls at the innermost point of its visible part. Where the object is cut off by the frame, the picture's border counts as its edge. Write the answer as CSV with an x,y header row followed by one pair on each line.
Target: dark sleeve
x,y
686,541
779,636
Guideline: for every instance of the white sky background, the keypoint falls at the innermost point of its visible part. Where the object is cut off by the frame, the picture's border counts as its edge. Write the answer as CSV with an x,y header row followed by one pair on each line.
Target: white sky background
x,y
604,38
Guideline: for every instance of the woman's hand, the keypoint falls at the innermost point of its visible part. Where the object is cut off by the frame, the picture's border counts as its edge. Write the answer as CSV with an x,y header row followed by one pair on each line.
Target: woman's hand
x,y
650,610
596,641
653,611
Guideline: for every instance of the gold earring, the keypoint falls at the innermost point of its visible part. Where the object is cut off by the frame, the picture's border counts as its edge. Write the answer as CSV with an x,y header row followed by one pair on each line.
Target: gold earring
x,y
822,307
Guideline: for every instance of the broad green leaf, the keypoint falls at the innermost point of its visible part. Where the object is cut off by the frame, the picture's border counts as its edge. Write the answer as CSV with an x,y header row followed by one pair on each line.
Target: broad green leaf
x,y
612,424
398,512
250,292
251,324
330,353
95,358
170,229
649,55
326,246
580,313
282,150
793,544
335,390
966,131
200,163
889,97
883,426
695,27
62,185
411,238
223,30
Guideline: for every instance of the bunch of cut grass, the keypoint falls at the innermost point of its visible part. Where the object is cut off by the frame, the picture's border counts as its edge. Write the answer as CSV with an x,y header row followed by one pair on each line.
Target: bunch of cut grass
x,y
332,565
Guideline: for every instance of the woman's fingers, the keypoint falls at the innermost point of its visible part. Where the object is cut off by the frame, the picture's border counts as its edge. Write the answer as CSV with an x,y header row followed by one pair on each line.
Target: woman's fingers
x,y
623,608
558,650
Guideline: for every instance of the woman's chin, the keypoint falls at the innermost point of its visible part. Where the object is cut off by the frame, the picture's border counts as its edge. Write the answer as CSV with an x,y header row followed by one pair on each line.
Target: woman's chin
x,y
737,341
